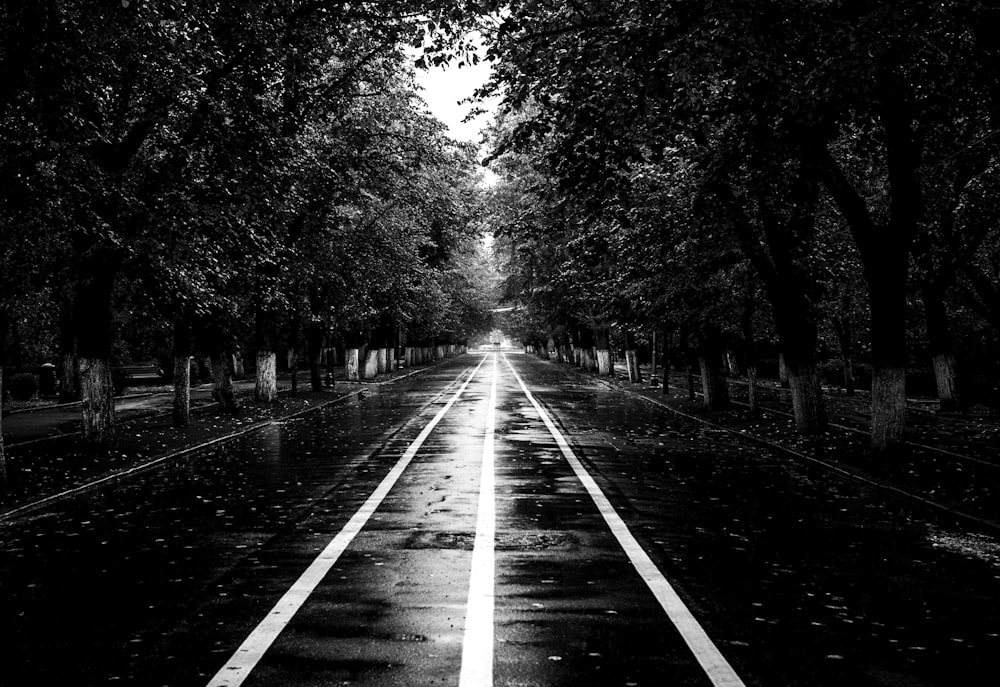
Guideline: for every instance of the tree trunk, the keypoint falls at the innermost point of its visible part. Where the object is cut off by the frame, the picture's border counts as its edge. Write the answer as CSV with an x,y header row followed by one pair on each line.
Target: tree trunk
x,y
889,397
181,378
603,346
750,349
782,370
351,370
314,349
632,359
331,363
181,415
222,382
941,346
69,373
653,351
807,398
69,378
945,377
266,389
93,324
382,360
98,405
713,384
687,359
667,343
888,336
370,370
845,335
293,369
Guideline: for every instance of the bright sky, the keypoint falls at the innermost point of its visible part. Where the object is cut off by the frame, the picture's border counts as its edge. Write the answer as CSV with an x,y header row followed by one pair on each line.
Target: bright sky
x,y
445,87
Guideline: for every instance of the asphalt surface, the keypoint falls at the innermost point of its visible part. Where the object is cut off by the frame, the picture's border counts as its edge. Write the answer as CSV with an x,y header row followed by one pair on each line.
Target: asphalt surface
x,y
796,576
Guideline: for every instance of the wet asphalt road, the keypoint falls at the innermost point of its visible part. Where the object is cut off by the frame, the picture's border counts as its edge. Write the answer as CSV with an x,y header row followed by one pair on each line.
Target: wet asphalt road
x,y
798,577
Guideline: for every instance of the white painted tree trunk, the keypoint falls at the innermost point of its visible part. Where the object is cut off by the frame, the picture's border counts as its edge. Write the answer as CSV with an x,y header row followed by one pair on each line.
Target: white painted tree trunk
x,y
604,362
632,362
408,356
370,370
266,389
351,365
98,401
382,360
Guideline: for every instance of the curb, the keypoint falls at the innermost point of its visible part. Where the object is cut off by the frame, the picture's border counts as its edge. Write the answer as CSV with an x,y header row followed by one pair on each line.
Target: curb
x,y
154,462
993,526
847,473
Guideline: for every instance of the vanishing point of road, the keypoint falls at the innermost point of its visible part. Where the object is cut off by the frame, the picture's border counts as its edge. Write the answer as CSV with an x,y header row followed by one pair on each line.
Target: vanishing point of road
x,y
495,520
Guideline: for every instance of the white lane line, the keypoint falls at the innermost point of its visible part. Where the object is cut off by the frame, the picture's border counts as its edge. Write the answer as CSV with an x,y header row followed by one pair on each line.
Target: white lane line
x,y
477,646
249,653
705,651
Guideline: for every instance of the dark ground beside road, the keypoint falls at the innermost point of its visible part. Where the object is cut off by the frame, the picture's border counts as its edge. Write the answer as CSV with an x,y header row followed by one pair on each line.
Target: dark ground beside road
x,y
952,461
962,475
46,457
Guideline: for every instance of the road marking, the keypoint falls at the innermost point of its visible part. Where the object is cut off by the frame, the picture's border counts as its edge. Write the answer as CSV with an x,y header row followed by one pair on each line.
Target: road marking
x,y
477,645
249,653
705,651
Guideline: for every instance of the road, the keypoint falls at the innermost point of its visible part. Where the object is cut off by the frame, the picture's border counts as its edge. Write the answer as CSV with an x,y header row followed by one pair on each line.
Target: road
x,y
494,521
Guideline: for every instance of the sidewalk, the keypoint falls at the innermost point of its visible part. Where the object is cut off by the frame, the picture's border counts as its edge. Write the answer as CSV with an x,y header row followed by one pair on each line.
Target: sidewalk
x,y
952,466
47,459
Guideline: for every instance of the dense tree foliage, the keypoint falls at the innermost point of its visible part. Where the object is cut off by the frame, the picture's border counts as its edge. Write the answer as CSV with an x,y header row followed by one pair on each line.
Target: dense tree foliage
x,y
230,177
835,158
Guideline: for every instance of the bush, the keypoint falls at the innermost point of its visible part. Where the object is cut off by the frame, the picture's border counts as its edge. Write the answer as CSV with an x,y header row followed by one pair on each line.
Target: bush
x,y
23,386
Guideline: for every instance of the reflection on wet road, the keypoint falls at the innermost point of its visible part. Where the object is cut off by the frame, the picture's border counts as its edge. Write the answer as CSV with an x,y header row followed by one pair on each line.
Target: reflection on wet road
x,y
795,576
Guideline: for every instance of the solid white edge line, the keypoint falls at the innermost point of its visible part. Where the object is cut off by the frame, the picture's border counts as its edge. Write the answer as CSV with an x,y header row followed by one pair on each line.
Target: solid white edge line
x,y
715,665
249,653
477,645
